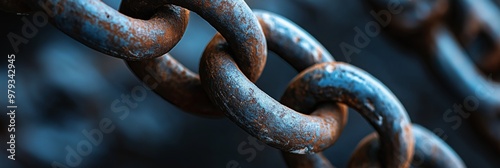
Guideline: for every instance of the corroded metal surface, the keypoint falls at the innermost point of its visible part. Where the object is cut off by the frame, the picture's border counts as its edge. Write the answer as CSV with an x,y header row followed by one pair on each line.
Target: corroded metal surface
x,y
271,122
317,160
301,51
236,22
430,151
178,84
182,87
313,112
175,83
291,42
339,82
255,111
104,29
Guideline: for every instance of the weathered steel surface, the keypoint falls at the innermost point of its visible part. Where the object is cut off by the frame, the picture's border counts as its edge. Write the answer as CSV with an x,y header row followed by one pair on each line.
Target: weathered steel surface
x,y
291,42
314,109
283,128
175,83
182,87
235,21
255,111
104,29
339,82
430,151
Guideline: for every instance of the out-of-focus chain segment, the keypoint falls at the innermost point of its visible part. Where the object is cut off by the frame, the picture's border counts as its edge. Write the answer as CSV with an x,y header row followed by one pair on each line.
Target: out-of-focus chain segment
x,y
460,41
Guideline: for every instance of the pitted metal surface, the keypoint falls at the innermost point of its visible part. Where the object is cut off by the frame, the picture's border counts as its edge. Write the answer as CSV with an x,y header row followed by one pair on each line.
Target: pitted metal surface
x,y
312,112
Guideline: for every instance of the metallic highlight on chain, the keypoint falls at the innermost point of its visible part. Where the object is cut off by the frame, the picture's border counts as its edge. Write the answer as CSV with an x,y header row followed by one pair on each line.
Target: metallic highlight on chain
x,y
312,113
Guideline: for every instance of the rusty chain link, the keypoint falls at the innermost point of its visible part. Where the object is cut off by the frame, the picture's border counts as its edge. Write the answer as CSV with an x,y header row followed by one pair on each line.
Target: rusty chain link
x,y
313,109
366,153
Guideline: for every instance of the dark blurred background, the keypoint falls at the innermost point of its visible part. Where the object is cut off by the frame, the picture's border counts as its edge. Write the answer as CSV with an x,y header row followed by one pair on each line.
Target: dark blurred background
x,y
64,87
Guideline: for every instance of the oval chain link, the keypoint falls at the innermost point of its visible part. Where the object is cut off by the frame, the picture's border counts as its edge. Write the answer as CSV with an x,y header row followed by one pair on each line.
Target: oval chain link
x,y
314,109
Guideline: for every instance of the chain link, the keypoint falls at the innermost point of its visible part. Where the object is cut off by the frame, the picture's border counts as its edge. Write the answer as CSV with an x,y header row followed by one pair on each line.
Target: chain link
x,y
462,45
441,154
313,112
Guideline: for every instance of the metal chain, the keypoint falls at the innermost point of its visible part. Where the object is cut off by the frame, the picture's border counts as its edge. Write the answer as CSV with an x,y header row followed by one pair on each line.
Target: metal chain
x,y
479,81
313,112
441,154
460,40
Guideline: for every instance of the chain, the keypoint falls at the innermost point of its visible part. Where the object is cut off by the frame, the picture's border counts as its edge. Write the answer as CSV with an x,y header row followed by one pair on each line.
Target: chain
x,y
460,40
441,156
311,114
